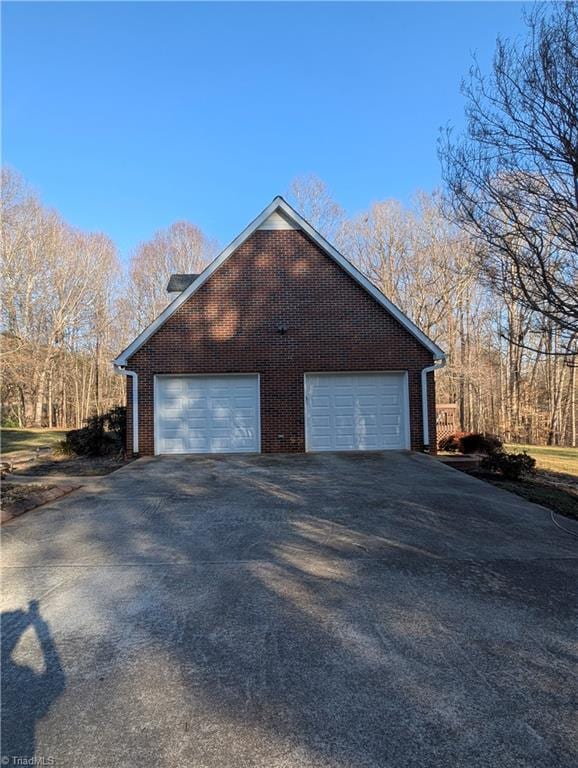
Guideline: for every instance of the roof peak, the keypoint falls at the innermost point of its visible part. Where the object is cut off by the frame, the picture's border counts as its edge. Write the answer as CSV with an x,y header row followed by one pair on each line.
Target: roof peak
x,y
298,222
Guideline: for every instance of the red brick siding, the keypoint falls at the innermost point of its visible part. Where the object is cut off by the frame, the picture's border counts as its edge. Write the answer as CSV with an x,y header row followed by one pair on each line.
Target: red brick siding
x,y
230,325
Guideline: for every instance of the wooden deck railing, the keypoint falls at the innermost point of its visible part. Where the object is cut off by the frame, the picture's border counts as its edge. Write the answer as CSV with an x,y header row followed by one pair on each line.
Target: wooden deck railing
x,y
447,420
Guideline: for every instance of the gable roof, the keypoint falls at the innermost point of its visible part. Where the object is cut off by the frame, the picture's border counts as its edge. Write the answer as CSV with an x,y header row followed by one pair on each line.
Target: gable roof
x,y
279,214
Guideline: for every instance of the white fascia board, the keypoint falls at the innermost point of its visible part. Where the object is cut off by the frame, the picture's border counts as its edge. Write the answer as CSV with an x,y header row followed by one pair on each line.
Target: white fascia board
x,y
278,203
196,284
362,280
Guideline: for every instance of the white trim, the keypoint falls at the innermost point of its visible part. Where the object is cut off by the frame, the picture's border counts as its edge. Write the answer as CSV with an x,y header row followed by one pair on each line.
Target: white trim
x,y
157,376
276,221
424,399
134,377
405,404
407,412
155,419
278,204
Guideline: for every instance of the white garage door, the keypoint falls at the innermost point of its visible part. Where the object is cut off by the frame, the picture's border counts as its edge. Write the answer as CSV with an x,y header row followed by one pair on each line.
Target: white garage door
x,y
356,412
207,414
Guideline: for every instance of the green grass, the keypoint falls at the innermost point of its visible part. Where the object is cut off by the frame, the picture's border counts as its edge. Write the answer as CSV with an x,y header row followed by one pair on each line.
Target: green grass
x,y
560,500
28,439
550,458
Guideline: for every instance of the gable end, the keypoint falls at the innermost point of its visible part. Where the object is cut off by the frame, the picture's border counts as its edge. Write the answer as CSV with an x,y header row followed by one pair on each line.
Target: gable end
x,y
280,216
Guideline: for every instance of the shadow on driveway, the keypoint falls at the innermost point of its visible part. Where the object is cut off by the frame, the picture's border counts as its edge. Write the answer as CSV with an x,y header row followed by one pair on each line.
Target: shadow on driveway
x,y
307,611
27,694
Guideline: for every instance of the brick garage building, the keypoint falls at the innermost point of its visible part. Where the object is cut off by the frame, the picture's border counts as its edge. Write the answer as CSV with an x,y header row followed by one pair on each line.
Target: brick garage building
x,y
279,345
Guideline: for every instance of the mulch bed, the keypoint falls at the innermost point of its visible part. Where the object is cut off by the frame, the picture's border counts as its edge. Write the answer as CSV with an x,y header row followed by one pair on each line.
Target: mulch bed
x,y
18,498
559,496
85,466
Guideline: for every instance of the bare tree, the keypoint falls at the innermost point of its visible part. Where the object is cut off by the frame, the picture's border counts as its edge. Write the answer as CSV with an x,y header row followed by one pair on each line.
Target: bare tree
x,y
513,176
314,202
428,267
66,309
182,248
58,287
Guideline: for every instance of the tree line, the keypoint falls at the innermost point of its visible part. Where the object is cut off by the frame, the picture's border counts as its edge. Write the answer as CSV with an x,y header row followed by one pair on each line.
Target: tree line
x,y
486,266
507,370
69,307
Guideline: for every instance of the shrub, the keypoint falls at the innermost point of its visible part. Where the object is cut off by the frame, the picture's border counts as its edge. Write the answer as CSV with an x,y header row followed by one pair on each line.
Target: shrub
x,y
478,442
63,448
116,422
91,440
103,434
470,442
451,443
10,423
512,466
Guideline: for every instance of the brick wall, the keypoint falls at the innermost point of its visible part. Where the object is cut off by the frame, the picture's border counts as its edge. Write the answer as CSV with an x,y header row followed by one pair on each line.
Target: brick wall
x,y
230,325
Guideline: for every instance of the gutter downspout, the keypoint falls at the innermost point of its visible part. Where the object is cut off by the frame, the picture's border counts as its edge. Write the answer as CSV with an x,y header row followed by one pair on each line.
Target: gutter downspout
x,y
134,376
424,400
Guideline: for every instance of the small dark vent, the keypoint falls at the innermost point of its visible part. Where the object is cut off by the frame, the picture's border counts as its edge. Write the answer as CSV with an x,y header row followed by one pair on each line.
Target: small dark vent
x,y
178,283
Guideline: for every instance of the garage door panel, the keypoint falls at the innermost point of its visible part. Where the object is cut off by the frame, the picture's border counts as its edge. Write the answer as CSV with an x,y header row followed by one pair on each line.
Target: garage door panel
x,y
196,404
387,410
197,434
243,402
366,418
220,418
369,399
172,424
194,445
244,427
245,413
342,420
192,420
355,411
194,390
245,443
343,401
344,431
220,392
173,403
344,441
194,401
175,444
207,414
175,386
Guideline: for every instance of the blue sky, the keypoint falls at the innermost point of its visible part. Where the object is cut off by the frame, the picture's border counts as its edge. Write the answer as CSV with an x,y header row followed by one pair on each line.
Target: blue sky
x,y
129,116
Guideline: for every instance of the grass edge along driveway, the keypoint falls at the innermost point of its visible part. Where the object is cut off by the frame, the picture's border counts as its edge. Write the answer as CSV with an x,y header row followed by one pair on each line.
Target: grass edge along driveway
x,y
14,440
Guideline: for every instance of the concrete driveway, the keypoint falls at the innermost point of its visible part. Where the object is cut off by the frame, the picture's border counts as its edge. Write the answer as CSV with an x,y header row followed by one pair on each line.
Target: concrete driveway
x,y
311,611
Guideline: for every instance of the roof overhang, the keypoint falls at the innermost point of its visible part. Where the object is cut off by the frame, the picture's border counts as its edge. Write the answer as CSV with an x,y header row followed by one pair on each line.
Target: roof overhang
x,y
279,205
